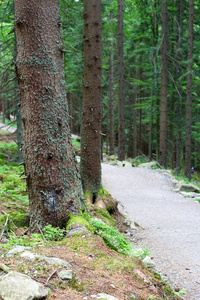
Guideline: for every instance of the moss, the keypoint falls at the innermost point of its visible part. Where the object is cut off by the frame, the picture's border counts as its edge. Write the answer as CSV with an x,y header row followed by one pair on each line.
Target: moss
x,y
78,220
20,219
105,216
3,220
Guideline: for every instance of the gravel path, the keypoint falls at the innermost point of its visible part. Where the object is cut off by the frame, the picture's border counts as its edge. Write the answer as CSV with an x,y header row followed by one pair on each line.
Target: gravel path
x,y
171,222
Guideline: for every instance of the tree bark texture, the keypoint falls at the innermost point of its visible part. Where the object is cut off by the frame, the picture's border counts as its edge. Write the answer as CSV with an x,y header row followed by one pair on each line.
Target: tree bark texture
x,y
121,125
111,88
163,103
189,94
53,181
92,95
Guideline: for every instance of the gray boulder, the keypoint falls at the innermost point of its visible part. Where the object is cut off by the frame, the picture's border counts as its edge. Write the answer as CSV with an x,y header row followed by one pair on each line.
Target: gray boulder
x,y
16,249
189,188
30,256
16,286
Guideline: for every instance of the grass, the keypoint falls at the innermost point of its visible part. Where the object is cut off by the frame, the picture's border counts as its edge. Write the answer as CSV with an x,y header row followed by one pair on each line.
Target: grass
x,y
13,195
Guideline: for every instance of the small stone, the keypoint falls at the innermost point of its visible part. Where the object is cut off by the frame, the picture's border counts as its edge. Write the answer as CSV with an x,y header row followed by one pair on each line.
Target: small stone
x,y
113,286
65,274
147,261
133,296
103,296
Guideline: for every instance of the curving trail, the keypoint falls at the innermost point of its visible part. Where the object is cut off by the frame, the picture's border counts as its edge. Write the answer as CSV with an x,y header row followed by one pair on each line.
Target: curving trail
x,y
171,222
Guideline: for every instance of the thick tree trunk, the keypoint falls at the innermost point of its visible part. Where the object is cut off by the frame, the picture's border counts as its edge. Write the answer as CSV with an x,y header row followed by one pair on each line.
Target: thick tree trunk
x,y
111,87
163,103
189,94
51,173
121,130
91,116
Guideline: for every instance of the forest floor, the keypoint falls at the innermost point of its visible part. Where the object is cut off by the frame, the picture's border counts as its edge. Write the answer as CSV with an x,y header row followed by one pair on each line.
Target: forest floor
x,y
96,267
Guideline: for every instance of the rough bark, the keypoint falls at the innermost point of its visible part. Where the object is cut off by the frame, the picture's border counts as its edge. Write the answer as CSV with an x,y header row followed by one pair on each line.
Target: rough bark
x,y
121,130
163,103
18,112
111,87
189,94
51,173
91,115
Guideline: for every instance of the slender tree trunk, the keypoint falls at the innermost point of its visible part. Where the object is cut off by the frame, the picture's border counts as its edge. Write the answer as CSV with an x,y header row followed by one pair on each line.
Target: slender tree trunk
x,y
135,113
91,116
189,94
121,131
70,103
111,87
141,95
154,28
179,73
163,103
18,112
51,173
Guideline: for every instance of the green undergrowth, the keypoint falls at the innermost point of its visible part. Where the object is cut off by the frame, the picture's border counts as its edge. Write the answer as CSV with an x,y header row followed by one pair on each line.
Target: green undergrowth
x,y
13,195
194,180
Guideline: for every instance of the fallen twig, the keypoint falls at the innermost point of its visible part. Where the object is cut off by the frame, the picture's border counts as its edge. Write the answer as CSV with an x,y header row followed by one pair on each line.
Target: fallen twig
x,y
41,232
4,227
54,272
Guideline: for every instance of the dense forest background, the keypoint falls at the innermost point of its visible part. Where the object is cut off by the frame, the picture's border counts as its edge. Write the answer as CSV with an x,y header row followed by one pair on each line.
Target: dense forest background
x,y
142,87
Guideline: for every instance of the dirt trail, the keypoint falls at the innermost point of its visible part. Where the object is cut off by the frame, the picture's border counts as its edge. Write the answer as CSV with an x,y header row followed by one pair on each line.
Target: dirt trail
x,y
171,223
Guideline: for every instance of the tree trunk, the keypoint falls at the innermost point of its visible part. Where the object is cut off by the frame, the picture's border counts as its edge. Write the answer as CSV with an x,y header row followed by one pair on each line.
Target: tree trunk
x,y
91,116
111,87
51,173
163,103
121,130
179,74
18,111
189,94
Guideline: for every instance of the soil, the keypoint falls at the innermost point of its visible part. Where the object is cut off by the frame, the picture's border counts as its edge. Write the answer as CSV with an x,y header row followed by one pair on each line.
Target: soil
x,y
96,269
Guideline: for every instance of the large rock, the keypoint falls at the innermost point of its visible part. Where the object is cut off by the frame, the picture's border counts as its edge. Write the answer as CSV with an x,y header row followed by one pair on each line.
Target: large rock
x,y
16,286
189,188
16,249
30,256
